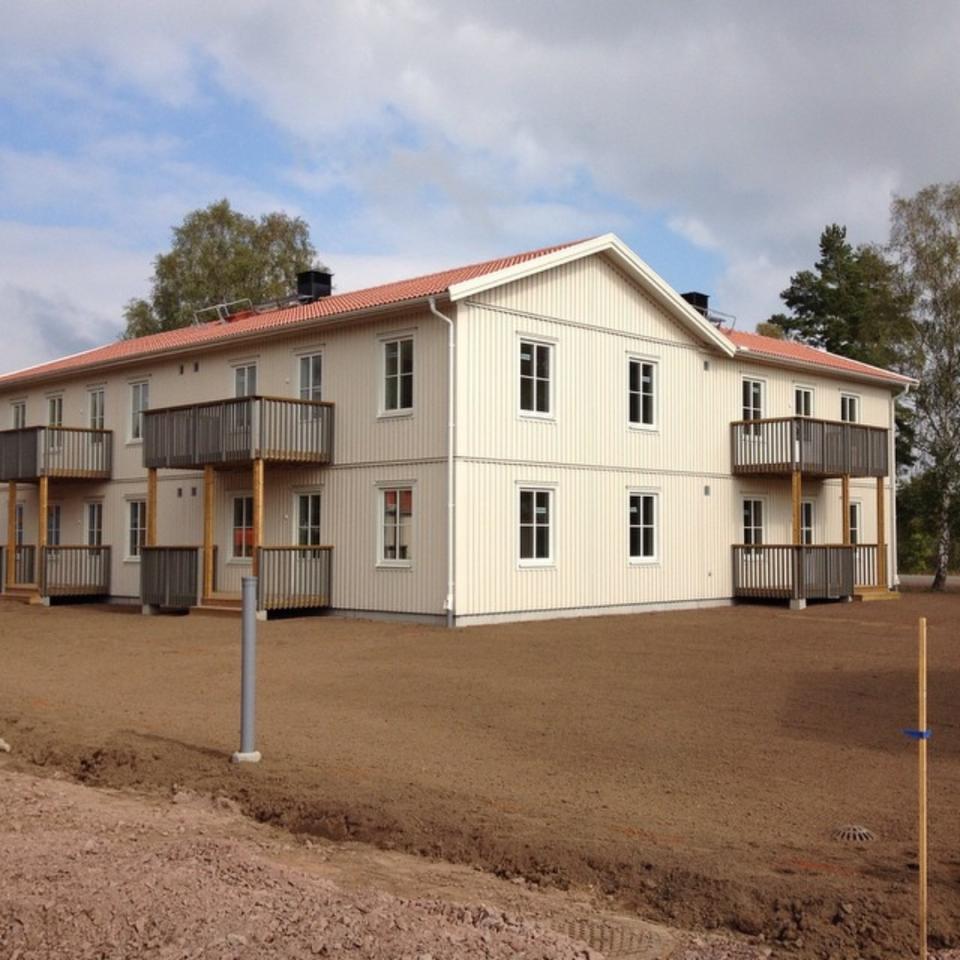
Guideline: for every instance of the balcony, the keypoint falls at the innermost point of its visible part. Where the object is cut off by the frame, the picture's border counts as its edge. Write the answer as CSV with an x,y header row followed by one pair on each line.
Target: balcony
x,y
238,431
819,448
63,571
811,572
67,453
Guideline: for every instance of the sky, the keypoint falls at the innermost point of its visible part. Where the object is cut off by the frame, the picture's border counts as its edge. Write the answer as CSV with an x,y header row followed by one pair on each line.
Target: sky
x,y
716,138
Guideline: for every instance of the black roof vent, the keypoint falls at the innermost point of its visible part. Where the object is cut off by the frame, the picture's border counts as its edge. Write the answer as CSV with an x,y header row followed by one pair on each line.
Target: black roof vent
x,y
314,284
699,302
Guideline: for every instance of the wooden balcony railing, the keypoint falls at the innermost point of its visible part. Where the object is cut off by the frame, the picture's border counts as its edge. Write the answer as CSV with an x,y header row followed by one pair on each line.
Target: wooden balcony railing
x,y
294,578
74,571
788,572
824,448
170,577
65,452
238,431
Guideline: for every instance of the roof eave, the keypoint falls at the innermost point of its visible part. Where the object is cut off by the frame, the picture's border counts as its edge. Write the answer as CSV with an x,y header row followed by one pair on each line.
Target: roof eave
x,y
892,381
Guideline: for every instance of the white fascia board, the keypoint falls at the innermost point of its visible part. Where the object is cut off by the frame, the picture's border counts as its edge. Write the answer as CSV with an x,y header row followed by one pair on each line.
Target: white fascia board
x,y
864,376
648,279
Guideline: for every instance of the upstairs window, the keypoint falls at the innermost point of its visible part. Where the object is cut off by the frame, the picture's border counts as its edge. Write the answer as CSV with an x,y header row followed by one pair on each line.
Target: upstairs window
x,y
245,380
642,393
311,369
849,408
139,401
96,408
398,375
536,518
55,411
803,401
18,414
536,383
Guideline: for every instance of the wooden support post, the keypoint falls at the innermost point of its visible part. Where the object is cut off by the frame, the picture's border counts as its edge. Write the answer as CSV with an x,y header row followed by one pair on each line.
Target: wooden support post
x,y
208,491
922,792
151,506
257,514
845,507
797,493
11,534
881,535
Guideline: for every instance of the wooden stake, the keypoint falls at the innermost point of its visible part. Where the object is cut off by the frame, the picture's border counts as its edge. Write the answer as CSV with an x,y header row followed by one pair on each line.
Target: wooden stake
x,y
797,493
11,534
257,514
922,726
208,489
845,507
151,506
881,535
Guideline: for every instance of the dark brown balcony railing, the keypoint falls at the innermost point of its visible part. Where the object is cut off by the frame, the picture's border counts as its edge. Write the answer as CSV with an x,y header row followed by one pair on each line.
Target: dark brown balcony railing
x,y
293,578
238,431
788,572
74,571
824,448
169,577
65,452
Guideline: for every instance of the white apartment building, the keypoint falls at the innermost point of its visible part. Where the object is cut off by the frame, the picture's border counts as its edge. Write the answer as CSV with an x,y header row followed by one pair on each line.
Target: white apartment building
x,y
557,433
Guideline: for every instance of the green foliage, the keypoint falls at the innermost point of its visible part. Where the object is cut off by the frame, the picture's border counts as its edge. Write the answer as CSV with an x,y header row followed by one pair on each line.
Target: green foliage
x,y
767,329
917,534
219,255
850,302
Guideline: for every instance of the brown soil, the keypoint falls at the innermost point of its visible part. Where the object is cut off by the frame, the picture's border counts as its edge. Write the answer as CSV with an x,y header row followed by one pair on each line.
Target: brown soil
x,y
689,766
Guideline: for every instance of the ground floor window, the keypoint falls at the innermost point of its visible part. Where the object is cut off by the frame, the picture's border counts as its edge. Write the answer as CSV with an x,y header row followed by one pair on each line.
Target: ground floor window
x,y
536,517
855,527
643,526
396,519
94,524
53,525
242,541
137,531
806,522
308,519
752,522
18,525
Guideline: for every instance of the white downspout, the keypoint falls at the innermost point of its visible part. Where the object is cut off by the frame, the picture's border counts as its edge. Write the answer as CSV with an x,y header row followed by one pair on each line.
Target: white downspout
x,y
449,605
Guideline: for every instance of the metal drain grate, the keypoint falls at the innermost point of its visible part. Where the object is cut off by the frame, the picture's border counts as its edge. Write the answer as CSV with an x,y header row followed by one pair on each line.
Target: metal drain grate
x,y
853,833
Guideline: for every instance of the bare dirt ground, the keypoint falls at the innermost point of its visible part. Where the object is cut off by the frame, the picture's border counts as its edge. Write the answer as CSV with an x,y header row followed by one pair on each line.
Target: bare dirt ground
x,y
688,767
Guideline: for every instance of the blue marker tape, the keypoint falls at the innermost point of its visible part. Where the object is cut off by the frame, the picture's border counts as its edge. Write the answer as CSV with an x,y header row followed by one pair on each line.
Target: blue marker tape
x,y
919,734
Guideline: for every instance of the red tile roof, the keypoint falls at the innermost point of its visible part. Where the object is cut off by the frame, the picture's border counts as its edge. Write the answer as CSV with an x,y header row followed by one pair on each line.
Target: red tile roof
x,y
769,348
418,288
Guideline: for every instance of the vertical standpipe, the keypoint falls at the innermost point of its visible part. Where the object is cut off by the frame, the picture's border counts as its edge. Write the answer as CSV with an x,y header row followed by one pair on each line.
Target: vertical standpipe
x,y
248,674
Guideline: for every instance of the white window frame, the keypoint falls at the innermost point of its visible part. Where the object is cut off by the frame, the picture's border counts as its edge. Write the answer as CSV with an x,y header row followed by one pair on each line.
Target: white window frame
x,y
54,525
753,498
399,339
297,494
755,430
232,557
808,531
551,525
18,414
96,409
19,514
654,495
550,346
654,392
245,369
139,388
806,389
306,392
856,529
845,400
133,550
383,488
55,410
93,532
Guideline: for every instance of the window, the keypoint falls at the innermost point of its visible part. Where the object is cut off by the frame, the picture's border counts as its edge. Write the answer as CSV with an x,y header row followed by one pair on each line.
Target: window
x,y
536,509
849,408
245,380
55,411
18,413
643,526
18,525
855,529
642,392
806,522
311,369
396,520
242,543
139,401
137,531
536,384
398,375
752,522
53,525
308,519
95,524
753,404
803,401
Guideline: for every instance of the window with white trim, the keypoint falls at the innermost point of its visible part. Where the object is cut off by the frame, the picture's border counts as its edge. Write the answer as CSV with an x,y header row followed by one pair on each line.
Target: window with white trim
x,y
18,525
643,526
849,408
95,524
803,401
53,525
241,544
396,521
308,519
536,377
18,414
752,521
855,517
753,404
641,391
245,380
311,370
136,528
139,401
398,375
55,411
536,526
806,522
95,408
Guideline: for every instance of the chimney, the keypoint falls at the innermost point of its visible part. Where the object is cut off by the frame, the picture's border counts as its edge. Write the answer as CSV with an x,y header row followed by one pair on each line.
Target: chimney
x,y
699,302
314,284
